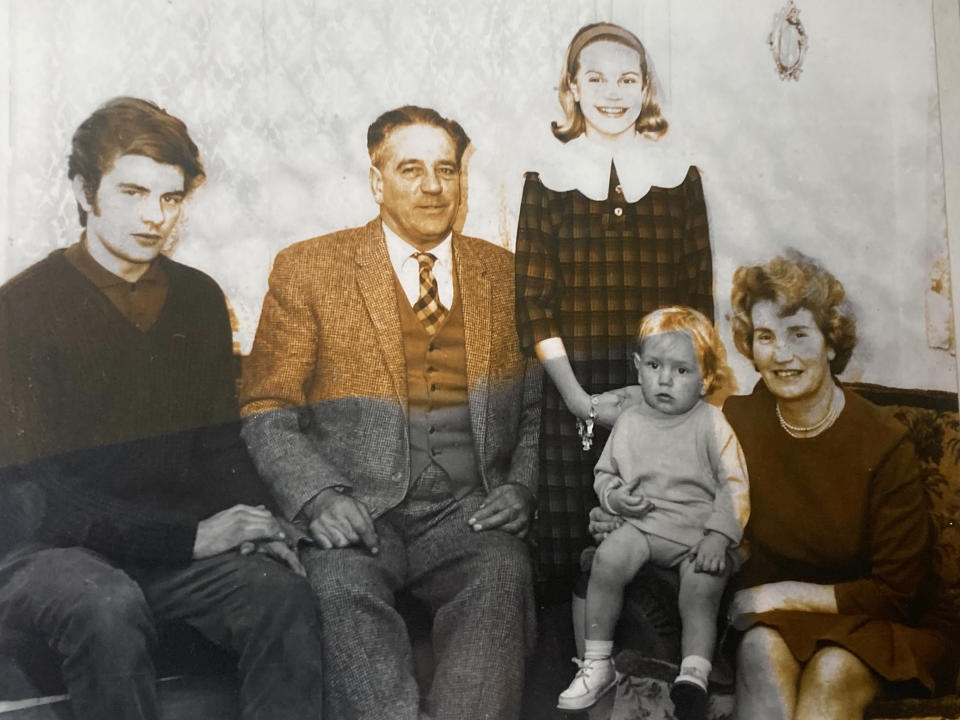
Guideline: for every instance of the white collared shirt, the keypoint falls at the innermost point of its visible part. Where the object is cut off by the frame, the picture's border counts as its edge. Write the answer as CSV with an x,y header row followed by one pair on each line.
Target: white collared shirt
x,y
585,165
407,267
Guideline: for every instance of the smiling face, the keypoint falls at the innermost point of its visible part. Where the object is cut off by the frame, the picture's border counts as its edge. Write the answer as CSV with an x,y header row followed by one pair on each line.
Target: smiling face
x,y
418,184
136,208
669,372
609,87
790,352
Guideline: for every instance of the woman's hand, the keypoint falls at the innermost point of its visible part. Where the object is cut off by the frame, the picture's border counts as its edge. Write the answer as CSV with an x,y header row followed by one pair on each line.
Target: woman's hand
x,y
602,523
710,554
785,595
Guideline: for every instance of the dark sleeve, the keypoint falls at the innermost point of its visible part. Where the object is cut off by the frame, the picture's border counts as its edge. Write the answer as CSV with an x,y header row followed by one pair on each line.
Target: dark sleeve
x,y
25,376
695,271
538,276
81,516
224,468
21,502
900,542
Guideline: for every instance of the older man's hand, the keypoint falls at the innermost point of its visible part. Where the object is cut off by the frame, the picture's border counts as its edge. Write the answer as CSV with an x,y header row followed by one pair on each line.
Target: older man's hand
x,y
338,521
508,507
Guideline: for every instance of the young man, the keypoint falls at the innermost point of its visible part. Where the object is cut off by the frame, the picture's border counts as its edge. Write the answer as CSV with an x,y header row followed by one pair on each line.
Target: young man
x,y
391,411
127,494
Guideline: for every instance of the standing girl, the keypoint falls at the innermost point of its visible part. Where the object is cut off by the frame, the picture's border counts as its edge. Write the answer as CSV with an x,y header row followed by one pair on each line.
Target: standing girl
x,y
610,230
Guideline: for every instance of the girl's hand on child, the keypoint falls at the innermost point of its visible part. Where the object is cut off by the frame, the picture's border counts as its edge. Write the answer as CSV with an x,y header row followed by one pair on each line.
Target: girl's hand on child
x,y
610,404
629,395
710,554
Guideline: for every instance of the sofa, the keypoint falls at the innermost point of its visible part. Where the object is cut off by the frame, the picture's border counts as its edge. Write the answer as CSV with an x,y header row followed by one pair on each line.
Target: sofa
x,y
198,680
649,650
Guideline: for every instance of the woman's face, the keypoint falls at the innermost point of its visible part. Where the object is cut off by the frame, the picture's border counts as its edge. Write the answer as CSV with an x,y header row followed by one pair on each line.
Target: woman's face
x,y
790,352
609,88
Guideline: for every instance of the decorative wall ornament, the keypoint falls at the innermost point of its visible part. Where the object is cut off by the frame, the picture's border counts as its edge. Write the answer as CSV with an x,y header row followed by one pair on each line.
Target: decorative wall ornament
x,y
788,42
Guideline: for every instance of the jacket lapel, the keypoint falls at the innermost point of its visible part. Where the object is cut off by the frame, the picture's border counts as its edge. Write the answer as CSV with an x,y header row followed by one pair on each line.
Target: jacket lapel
x,y
475,303
375,278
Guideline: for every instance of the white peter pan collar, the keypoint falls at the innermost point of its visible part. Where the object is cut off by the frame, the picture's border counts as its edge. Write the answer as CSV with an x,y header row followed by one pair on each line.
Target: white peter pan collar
x,y
585,166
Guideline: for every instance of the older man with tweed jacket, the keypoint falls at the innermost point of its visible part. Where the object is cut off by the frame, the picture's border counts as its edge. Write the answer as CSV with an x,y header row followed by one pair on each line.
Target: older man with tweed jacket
x,y
390,409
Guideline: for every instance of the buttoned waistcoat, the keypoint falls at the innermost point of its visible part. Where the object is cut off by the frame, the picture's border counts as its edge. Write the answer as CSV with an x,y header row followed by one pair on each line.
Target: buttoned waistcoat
x,y
324,390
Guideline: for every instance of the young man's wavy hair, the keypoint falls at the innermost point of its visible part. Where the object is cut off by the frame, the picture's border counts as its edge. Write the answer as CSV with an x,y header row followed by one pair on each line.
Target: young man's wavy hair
x,y
130,126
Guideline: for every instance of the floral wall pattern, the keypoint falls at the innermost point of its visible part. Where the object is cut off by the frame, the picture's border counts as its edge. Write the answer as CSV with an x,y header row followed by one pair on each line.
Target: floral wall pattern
x,y
278,95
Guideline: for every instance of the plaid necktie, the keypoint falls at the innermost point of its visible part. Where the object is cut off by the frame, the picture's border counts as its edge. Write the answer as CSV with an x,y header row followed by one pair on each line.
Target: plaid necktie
x,y
428,307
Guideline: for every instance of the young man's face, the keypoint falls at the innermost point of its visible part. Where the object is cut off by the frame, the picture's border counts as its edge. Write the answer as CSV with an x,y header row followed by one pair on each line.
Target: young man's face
x,y
418,185
137,206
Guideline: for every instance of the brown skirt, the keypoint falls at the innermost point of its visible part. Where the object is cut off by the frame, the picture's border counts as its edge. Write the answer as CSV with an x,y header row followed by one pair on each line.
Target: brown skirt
x,y
895,652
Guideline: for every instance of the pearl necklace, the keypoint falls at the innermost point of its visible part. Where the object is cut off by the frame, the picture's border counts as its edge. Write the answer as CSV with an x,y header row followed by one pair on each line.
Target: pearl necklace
x,y
834,408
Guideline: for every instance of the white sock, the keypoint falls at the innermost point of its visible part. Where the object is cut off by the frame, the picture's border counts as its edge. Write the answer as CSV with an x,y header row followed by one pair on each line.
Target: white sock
x,y
597,649
696,668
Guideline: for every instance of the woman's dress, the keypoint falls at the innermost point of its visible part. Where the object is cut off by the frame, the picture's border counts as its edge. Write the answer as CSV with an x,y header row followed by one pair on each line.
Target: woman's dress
x,y
845,508
588,270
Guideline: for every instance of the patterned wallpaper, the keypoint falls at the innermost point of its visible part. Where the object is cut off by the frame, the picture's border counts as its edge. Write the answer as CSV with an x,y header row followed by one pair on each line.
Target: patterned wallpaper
x,y
278,95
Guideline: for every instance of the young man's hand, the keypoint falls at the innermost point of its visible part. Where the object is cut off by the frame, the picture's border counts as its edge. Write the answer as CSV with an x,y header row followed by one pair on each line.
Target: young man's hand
x,y
279,551
234,526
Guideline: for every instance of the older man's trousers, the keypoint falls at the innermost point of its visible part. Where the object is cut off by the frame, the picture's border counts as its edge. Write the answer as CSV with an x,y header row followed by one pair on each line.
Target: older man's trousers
x,y
478,588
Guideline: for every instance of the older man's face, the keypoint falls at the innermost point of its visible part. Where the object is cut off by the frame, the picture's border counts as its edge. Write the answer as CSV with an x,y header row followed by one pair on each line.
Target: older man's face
x,y
418,184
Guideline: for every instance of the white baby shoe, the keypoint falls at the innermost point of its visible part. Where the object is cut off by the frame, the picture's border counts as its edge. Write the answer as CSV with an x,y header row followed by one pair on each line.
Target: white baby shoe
x,y
592,681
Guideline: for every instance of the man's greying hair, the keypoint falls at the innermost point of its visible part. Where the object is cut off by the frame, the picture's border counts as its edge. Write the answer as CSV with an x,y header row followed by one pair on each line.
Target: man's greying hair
x,y
380,130
130,126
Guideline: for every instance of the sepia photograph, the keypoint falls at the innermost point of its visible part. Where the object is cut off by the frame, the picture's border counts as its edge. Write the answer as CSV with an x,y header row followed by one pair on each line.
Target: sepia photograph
x,y
504,360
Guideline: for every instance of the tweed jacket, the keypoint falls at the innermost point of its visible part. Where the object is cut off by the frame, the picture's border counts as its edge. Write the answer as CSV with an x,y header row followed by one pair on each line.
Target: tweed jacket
x,y
324,393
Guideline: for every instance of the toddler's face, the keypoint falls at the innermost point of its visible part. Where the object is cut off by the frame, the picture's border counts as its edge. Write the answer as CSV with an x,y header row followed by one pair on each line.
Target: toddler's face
x,y
669,372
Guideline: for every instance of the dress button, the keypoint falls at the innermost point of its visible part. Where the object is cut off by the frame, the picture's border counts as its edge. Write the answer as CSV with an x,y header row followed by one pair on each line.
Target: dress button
x,y
432,430
433,387
619,190
432,347
618,211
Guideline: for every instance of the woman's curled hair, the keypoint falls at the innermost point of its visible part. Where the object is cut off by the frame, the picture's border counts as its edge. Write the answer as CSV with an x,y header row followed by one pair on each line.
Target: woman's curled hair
x,y
795,281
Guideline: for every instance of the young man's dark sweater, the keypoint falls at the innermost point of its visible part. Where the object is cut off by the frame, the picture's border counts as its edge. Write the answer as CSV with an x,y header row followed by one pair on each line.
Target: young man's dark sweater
x,y
130,435
118,435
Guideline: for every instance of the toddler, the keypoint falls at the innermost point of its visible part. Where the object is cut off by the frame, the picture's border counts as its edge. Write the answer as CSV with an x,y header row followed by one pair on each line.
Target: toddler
x,y
674,470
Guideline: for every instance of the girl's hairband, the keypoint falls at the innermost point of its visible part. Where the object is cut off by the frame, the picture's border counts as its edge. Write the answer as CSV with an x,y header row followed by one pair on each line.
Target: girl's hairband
x,y
600,30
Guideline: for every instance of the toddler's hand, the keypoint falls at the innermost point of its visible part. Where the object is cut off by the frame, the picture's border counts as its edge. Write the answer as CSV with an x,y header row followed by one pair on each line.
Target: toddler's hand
x,y
710,554
628,504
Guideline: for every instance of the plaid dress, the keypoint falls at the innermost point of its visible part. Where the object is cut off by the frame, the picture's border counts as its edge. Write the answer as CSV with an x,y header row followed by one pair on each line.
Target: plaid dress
x,y
587,272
